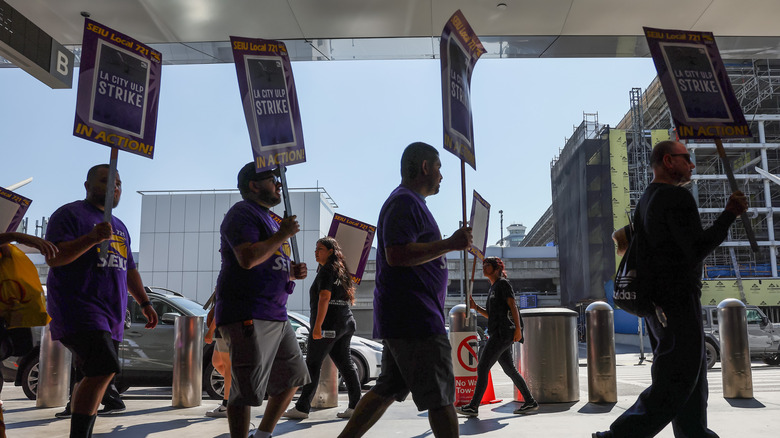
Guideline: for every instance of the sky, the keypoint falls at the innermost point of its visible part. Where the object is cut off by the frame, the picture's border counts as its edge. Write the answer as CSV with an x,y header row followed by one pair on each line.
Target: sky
x,y
357,118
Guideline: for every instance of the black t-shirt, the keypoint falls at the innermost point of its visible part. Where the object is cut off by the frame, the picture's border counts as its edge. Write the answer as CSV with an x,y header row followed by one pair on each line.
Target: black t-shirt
x,y
674,243
338,309
500,321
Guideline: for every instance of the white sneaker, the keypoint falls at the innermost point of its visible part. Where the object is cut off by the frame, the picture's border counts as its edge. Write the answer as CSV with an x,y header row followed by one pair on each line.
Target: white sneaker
x,y
295,414
219,412
346,414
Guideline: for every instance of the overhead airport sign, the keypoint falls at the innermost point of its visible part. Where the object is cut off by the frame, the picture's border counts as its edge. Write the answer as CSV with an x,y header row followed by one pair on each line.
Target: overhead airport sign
x,y
33,50
696,86
119,91
460,48
265,81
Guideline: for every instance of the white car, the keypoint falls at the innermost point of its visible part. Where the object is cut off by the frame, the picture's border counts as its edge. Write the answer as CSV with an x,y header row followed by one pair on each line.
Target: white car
x,y
366,354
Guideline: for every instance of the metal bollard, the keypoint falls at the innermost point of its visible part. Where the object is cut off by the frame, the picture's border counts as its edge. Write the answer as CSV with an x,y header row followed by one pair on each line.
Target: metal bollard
x,y
464,342
549,359
734,350
602,373
327,394
53,372
187,362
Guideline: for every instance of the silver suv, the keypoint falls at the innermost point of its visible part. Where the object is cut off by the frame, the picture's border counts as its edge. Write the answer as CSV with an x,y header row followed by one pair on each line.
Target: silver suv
x,y
763,335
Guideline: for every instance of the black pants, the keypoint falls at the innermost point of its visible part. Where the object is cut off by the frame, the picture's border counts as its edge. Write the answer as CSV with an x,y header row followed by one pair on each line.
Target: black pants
x,y
338,349
678,393
497,349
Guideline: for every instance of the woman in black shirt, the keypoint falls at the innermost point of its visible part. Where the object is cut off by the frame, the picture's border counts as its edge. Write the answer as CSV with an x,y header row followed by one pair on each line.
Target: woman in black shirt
x,y
504,328
332,326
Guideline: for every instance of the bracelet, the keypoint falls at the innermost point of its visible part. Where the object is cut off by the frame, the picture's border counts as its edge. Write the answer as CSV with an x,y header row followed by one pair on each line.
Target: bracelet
x,y
146,303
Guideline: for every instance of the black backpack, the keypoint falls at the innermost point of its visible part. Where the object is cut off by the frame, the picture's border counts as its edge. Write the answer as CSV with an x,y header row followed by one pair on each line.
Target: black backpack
x,y
631,289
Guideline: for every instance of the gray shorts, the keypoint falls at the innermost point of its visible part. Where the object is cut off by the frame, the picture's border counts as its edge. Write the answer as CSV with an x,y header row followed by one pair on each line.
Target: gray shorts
x,y
265,357
420,366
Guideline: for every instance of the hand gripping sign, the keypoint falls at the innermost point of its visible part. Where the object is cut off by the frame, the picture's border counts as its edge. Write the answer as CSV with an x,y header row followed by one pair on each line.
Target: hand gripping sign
x,y
117,98
460,49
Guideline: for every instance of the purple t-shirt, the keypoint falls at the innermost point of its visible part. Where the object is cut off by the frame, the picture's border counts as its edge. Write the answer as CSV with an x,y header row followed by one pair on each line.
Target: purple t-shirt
x,y
88,294
260,292
408,301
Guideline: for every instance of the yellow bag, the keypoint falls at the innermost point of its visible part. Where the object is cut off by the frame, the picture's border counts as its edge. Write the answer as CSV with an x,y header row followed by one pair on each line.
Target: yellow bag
x,y
22,302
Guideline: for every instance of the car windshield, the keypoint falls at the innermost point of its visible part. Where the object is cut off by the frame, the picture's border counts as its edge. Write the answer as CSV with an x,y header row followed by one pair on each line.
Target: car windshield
x,y
188,305
299,317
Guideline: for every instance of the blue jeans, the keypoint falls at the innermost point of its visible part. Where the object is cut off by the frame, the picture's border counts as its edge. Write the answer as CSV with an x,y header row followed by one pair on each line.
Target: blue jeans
x,y
499,350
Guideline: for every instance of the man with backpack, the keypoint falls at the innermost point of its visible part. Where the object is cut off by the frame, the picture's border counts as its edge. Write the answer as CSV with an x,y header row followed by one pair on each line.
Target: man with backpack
x,y
671,249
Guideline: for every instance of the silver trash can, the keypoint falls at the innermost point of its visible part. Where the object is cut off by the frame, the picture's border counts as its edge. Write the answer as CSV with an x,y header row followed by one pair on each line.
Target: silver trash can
x,y
187,362
548,359
327,394
53,372
602,367
734,350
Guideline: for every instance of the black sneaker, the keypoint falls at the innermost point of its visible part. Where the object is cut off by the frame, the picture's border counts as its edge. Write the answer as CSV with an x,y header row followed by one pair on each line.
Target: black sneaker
x,y
527,407
65,413
467,410
111,410
605,434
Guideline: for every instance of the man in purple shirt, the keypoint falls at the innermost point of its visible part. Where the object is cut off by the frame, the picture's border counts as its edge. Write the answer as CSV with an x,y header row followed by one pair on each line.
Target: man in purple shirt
x,y
411,285
87,293
254,282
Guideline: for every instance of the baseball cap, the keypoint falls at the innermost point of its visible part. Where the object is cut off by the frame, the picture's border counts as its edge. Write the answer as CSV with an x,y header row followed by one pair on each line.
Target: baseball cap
x,y
247,173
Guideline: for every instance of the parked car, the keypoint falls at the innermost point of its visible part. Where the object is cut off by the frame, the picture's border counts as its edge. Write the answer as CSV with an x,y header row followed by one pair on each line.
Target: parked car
x,y
763,335
145,355
366,354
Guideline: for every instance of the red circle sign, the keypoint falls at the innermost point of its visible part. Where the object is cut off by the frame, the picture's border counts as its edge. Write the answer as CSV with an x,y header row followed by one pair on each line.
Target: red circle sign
x,y
465,344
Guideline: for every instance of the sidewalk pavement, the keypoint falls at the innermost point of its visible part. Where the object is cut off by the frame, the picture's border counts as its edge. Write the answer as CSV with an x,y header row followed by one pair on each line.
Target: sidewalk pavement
x,y
149,413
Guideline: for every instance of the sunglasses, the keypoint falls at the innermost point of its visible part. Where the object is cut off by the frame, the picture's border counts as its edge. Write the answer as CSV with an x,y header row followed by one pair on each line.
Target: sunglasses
x,y
275,179
686,156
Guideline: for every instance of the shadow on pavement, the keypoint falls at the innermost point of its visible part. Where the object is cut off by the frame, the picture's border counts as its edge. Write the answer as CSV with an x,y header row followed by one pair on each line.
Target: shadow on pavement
x,y
748,403
597,408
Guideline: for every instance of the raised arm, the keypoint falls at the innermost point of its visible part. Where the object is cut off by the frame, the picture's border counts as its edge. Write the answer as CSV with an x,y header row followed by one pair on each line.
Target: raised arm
x,y
251,254
46,248
416,253
69,251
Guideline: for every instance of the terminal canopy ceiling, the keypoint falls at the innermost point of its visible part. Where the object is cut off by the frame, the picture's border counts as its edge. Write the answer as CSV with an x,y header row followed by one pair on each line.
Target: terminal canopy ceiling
x,y
197,31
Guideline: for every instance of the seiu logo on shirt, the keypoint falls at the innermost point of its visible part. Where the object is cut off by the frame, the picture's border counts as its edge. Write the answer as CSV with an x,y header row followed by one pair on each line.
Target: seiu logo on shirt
x,y
282,263
117,253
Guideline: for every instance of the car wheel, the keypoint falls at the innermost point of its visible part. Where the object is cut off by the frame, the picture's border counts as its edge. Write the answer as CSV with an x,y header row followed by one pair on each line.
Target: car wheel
x,y
360,366
30,379
213,382
712,354
772,359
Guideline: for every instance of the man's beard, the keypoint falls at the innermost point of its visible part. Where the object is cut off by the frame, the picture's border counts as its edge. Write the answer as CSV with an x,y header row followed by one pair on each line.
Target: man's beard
x,y
269,198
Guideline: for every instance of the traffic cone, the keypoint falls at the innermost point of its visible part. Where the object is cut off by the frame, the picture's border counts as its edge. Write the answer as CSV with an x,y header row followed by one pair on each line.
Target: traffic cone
x,y
489,397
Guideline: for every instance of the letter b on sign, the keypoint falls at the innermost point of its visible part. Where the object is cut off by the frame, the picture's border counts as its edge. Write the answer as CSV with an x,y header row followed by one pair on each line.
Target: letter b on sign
x,y
62,63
